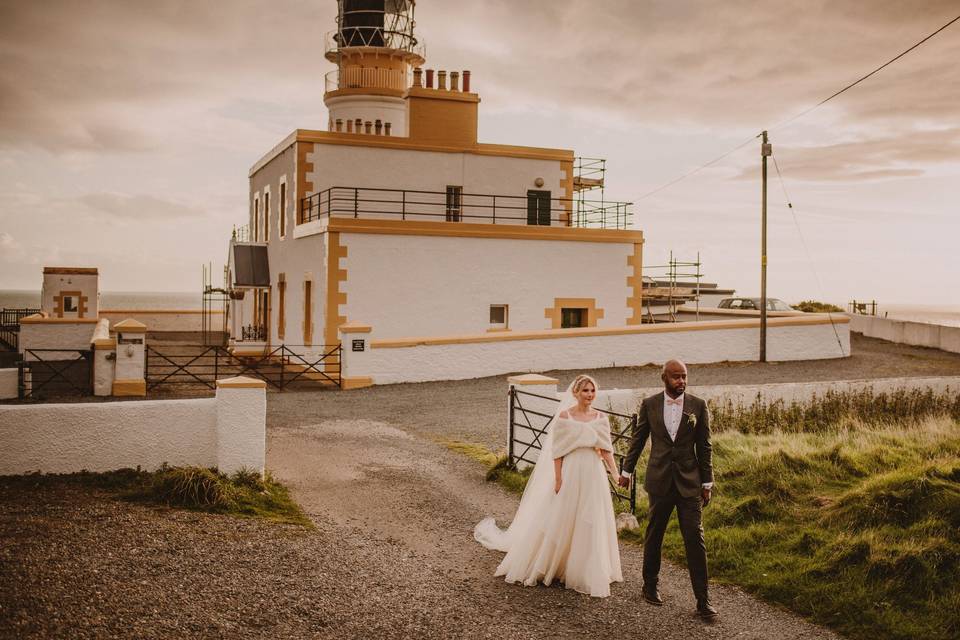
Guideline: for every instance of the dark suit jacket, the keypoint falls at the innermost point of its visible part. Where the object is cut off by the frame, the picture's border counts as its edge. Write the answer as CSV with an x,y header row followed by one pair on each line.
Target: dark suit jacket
x,y
687,461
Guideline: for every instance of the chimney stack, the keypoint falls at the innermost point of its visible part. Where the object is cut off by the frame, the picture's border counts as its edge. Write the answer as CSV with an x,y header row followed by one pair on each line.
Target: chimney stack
x,y
418,77
466,82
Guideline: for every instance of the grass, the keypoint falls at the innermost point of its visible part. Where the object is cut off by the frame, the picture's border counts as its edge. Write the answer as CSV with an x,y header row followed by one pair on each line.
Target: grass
x,y
846,511
244,493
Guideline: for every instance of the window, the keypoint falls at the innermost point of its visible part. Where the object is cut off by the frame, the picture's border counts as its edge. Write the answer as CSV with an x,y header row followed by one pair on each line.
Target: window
x,y
538,208
307,308
498,316
69,304
282,295
256,219
266,216
283,209
572,317
454,203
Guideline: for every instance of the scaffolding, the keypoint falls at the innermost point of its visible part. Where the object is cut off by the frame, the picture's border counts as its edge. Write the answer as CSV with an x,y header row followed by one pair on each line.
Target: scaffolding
x,y
212,298
670,287
588,174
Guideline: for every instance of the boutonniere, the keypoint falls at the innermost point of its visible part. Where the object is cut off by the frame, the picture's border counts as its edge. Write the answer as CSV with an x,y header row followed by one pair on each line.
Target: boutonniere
x,y
692,419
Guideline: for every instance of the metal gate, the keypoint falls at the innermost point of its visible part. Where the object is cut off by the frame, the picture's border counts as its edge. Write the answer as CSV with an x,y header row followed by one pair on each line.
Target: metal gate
x,y
55,373
202,365
536,423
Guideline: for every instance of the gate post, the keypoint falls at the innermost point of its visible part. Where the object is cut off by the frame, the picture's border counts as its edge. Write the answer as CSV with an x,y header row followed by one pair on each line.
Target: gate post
x,y
131,359
355,366
522,417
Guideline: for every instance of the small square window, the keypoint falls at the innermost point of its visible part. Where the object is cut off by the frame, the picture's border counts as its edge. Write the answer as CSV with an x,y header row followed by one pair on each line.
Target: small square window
x,y
69,304
498,314
573,317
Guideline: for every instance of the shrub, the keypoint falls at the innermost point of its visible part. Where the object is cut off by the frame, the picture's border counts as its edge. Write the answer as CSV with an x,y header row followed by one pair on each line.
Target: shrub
x,y
812,306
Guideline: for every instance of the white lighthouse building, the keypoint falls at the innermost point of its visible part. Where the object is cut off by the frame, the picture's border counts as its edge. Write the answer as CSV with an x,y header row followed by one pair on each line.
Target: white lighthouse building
x,y
398,223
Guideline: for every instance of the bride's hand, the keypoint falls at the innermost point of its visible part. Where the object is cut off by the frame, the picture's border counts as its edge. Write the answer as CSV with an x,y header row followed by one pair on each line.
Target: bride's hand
x,y
556,485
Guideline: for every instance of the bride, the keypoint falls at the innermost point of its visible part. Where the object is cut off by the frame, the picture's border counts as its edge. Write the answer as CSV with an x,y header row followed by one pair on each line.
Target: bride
x,y
564,528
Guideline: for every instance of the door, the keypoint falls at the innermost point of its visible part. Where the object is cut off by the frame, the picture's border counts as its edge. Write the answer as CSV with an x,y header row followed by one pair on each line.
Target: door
x,y
538,207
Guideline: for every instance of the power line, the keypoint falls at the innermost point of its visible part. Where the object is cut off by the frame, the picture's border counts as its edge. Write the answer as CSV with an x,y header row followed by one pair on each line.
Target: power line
x,y
806,249
853,84
798,116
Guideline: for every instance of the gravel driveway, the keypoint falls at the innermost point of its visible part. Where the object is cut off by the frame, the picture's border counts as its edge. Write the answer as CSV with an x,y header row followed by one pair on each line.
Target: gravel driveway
x,y
392,555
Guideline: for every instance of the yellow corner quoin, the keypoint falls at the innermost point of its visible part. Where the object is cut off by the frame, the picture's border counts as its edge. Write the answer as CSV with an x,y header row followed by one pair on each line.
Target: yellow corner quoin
x,y
241,382
554,313
136,387
479,230
356,383
548,334
130,326
531,379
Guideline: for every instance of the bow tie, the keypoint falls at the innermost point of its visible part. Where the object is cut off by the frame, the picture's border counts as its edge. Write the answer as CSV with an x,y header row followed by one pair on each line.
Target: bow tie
x,y
676,401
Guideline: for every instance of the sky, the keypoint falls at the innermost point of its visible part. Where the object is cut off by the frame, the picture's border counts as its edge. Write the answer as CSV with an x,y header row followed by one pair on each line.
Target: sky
x,y
127,128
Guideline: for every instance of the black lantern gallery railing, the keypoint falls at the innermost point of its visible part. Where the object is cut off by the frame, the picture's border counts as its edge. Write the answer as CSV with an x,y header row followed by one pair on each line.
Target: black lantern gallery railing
x,y
535,208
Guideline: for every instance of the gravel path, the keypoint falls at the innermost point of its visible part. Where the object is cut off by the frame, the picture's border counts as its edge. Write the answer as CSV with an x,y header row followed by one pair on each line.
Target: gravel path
x,y
392,555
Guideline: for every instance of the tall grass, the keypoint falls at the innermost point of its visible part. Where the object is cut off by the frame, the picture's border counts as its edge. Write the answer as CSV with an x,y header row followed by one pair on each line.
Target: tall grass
x,y
846,510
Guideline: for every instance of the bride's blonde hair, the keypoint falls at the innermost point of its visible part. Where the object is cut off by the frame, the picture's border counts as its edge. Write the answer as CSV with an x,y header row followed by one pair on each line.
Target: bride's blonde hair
x,y
581,380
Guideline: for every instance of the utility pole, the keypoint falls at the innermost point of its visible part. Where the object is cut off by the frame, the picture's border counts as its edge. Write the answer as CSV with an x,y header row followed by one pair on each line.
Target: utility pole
x,y
766,149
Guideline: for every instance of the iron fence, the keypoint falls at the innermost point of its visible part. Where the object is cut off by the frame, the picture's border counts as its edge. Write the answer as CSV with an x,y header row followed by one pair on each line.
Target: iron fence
x,y
535,208
10,326
280,367
50,373
621,432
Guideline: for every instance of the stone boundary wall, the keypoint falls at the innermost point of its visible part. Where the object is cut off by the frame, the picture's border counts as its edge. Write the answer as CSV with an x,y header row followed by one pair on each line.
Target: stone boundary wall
x,y
164,320
227,432
919,334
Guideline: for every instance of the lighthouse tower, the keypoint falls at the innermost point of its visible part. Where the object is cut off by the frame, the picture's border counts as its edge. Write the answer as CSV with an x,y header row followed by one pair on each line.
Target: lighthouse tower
x,y
375,50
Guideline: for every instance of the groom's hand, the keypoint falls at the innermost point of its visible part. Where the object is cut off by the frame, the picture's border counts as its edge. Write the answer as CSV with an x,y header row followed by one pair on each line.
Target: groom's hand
x,y
623,481
705,496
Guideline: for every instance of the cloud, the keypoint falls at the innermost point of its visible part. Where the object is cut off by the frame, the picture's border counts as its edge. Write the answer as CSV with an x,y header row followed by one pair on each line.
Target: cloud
x,y
136,207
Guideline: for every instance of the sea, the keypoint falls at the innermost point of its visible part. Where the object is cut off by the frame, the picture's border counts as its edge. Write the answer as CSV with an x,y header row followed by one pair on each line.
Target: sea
x,y
948,315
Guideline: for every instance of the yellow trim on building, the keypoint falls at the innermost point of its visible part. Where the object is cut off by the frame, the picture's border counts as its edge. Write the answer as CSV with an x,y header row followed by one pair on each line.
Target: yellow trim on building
x,y
471,230
531,379
356,383
158,311
39,318
635,283
241,382
355,327
556,317
104,344
704,325
70,271
335,298
137,387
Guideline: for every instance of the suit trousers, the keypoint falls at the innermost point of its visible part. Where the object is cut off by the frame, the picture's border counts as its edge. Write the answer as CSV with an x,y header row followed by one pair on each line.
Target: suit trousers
x,y
690,516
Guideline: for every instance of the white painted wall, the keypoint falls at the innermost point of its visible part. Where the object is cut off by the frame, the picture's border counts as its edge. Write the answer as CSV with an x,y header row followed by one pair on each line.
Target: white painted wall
x,y
919,334
441,286
376,167
55,335
372,108
55,283
647,345
227,431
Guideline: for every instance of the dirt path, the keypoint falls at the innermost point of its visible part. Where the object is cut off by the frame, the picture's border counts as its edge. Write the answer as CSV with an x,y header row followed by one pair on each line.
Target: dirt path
x,y
409,497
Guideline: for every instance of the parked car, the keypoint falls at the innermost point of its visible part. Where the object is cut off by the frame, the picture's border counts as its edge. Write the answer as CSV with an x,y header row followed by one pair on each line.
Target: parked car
x,y
753,304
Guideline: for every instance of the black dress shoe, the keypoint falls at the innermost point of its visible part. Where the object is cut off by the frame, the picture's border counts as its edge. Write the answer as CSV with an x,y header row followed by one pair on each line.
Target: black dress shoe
x,y
651,596
706,610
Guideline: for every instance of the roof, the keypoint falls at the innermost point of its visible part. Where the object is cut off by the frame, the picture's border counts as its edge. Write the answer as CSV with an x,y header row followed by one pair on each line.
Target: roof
x,y
250,266
76,271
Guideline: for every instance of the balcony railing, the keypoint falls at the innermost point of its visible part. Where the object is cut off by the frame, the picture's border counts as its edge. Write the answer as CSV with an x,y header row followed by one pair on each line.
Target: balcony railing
x,y
366,78
373,36
454,206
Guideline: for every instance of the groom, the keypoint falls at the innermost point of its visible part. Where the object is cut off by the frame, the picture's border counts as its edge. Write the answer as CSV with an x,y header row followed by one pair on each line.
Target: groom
x,y
679,475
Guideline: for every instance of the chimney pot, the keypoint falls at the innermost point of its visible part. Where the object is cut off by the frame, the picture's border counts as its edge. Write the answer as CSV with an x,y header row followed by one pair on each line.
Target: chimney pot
x,y
379,127
386,128
339,125
349,126
429,78
418,77
454,81
358,125
367,127
442,80
466,82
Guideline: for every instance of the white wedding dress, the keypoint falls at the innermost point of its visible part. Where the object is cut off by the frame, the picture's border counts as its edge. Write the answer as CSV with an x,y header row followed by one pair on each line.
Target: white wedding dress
x,y
569,536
